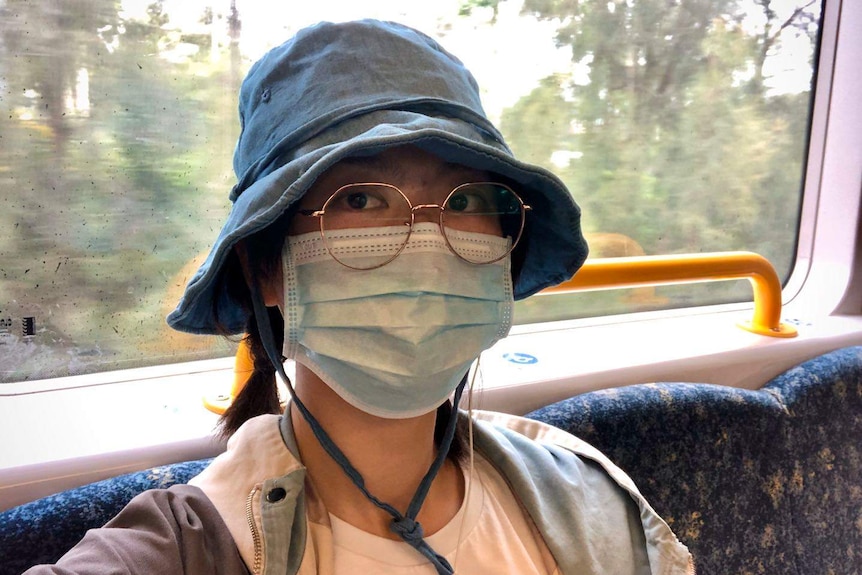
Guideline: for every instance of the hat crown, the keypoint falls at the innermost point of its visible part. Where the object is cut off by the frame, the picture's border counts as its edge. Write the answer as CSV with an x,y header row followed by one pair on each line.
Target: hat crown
x,y
330,72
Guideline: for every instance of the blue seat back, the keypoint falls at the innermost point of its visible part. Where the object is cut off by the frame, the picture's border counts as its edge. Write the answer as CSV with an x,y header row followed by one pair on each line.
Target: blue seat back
x,y
43,530
765,481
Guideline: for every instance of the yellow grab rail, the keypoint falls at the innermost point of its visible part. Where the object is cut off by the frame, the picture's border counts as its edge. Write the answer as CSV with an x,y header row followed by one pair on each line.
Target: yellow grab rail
x,y
625,272
644,271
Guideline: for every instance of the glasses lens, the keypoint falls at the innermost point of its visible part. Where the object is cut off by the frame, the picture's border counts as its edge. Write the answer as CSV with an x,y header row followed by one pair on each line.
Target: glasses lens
x,y
486,209
382,213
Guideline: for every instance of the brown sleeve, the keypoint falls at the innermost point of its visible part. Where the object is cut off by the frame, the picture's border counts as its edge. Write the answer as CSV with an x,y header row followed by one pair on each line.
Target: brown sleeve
x,y
174,531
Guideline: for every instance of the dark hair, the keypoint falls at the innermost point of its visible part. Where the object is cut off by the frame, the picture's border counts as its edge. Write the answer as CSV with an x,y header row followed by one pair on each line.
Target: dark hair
x,y
259,396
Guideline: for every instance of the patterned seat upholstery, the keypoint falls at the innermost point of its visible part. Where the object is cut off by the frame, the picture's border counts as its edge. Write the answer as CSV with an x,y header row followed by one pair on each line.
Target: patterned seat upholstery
x,y
43,530
766,481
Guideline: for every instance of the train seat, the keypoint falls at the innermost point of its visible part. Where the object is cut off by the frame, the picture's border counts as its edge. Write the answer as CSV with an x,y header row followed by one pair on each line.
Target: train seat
x,y
43,530
765,481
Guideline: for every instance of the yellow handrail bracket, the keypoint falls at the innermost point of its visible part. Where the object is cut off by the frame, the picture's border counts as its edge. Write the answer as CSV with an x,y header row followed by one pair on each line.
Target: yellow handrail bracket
x,y
643,271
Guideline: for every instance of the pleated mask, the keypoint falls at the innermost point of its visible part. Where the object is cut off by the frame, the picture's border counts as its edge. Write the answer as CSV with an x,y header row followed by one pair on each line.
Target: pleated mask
x,y
393,341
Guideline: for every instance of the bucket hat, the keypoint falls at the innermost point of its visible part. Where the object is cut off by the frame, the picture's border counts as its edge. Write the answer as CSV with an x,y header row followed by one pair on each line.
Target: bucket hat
x,y
340,90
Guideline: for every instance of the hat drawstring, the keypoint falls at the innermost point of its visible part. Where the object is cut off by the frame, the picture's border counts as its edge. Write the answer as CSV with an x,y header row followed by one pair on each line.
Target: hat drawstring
x,y
403,525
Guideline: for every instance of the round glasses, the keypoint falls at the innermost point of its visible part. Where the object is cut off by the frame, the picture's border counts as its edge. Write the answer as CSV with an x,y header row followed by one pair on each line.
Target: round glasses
x,y
481,222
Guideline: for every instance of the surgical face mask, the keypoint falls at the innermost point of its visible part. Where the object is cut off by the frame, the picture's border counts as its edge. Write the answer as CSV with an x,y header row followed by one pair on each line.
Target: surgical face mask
x,y
392,341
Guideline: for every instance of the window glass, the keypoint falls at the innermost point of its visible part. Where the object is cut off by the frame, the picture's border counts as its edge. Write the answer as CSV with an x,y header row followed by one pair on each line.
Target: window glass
x,y
679,127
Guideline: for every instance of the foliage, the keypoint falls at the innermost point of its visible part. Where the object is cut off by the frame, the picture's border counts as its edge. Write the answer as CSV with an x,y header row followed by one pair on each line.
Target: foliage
x,y
116,136
676,139
107,182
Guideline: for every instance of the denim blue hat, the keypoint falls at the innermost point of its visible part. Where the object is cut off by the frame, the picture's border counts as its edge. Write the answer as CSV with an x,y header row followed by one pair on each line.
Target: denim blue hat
x,y
340,90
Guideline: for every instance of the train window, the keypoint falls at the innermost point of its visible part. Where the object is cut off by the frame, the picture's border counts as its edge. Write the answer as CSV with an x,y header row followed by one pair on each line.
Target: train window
x,y
678,126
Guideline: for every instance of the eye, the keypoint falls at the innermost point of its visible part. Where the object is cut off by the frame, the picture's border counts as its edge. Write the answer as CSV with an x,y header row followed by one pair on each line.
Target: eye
x,y
360,198
468,201
357,200
507,203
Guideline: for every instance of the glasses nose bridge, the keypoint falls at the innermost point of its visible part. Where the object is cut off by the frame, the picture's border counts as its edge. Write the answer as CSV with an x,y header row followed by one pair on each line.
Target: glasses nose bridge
x,y
435,209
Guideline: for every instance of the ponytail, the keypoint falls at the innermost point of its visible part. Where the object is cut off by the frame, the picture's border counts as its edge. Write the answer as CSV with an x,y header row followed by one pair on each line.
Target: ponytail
x,y
259,395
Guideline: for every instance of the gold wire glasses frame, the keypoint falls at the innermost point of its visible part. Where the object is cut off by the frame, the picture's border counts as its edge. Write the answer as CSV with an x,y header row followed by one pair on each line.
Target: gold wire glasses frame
x,y
488,208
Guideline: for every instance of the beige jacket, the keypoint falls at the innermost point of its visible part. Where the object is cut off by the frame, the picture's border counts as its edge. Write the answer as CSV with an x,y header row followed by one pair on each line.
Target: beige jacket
x,y
249,512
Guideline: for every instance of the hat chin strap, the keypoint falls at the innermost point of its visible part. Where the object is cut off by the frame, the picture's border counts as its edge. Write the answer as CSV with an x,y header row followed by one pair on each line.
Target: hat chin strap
x,y
404,525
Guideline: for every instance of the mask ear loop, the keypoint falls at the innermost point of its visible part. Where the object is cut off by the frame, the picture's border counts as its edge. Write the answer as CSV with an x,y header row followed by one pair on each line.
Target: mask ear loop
x,y
471,476
403,525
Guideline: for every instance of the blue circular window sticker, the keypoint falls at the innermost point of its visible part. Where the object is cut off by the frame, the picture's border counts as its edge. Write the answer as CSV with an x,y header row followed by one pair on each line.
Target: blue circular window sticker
x,y
520,358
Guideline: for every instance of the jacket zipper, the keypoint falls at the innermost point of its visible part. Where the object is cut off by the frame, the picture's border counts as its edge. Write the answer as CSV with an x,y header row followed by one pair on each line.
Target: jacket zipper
x,y
255,534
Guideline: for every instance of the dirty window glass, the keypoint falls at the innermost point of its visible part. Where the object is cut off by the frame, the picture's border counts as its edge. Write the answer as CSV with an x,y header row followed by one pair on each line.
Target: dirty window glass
x,y
678,126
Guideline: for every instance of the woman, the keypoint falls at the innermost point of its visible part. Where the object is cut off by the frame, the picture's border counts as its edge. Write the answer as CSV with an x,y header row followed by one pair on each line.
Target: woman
x,y
380,232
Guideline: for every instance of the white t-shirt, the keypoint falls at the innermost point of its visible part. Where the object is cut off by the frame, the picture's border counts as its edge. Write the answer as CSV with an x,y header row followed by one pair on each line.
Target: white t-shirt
x,y
490,534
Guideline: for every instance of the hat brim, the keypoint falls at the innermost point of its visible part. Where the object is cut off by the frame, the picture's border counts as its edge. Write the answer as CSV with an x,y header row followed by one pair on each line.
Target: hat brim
x,y
554,247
